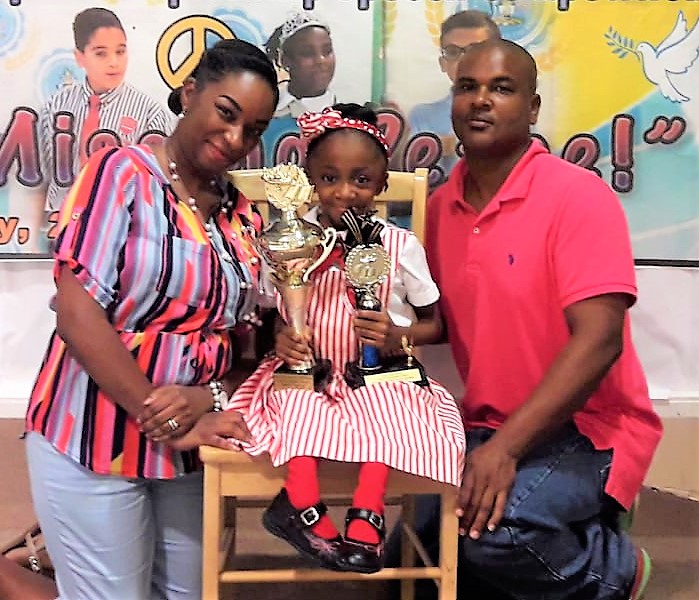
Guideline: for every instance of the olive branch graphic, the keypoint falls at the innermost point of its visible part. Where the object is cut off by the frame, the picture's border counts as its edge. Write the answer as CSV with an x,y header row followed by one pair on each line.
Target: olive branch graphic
x,y
621,45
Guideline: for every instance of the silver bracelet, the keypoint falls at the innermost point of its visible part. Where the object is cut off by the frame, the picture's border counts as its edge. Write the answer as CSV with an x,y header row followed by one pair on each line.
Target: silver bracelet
x,y
219,395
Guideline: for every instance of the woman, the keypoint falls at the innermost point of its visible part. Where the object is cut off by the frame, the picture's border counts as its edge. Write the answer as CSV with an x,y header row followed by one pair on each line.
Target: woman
x,y
155,270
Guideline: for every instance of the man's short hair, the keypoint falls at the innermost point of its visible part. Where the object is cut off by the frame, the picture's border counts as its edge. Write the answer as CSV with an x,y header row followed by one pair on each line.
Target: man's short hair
x,y
469,19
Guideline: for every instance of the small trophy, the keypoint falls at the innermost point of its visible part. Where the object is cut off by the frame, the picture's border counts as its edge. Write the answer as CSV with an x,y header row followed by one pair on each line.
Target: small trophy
x,y
367,266
293,249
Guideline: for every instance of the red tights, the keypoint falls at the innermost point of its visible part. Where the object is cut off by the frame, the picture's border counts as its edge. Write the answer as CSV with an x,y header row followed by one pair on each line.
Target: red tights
x,y
304,490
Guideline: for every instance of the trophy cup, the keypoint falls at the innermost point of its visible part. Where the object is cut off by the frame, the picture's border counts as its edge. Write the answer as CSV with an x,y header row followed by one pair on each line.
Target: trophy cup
x,y
367,266
293,249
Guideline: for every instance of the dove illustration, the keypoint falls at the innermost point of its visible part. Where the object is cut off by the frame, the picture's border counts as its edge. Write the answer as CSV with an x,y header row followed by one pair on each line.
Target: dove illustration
x,y
673,56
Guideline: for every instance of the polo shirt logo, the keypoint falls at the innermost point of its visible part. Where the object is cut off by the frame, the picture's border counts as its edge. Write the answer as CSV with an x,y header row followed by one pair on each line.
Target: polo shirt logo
x,y
510,259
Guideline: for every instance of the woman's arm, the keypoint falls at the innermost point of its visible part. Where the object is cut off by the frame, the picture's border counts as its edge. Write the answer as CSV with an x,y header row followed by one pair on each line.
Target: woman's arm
x,y
83,325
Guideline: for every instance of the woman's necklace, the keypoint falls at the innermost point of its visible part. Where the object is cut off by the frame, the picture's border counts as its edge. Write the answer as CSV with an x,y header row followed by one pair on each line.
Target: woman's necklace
x,y
192,201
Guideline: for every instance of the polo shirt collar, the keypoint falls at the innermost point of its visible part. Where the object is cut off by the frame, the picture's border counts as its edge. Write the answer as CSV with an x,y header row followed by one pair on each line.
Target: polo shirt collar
x,y
515,187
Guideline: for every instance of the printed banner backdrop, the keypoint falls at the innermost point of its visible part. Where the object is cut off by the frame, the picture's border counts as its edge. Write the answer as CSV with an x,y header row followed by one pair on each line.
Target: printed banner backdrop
x,y
619,82
164,40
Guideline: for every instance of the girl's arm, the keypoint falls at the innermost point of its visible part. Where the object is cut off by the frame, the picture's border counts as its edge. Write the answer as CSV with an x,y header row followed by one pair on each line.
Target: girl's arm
x,y
376,329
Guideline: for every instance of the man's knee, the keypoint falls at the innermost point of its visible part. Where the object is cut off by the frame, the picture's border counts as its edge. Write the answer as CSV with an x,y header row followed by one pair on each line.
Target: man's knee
x,y
490,551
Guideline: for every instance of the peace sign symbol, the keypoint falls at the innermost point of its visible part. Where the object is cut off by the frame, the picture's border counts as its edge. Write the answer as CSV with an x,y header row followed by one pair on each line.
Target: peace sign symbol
x,y
197,26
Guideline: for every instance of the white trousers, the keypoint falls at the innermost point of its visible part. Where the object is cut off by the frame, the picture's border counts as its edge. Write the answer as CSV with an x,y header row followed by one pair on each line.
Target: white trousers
x,y
114,538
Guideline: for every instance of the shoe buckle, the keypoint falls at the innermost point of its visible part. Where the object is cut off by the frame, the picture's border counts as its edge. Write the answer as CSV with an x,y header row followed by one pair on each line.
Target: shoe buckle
x,y
376,520
309,516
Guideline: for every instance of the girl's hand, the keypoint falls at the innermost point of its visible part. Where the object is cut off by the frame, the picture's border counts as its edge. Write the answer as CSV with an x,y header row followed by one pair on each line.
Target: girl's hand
x,y
292,347
168,405
224,430
375,328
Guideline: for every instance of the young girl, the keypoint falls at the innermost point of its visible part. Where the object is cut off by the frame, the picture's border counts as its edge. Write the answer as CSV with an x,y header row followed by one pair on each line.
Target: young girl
x,y
386,425
302,47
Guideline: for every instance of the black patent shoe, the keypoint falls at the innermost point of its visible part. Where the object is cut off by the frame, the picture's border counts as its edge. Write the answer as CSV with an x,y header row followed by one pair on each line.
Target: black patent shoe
x,y
294,526
363,557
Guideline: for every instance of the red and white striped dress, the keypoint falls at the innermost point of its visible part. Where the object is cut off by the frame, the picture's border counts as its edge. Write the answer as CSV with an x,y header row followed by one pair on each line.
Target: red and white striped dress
x,y
405,426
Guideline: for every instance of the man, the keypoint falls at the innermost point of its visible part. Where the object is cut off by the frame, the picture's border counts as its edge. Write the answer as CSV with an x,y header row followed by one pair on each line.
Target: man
x,y
533,259
458,31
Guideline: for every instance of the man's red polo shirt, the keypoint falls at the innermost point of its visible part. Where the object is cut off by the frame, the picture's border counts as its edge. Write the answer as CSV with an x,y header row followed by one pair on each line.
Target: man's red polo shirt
x,y
554,234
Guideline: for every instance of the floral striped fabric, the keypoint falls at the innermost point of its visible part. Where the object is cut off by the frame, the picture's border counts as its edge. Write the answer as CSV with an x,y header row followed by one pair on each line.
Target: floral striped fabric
x,y
173,295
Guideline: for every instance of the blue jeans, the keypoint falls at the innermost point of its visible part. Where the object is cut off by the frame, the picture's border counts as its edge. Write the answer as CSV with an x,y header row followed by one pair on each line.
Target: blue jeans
x,y
559,538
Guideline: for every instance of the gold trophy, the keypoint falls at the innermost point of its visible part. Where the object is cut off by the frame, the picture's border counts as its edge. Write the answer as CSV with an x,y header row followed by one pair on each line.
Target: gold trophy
x,y
293,249
367,265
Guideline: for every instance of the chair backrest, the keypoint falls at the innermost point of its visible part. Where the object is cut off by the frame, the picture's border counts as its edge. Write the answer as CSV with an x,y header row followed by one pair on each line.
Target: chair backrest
x,y
403,187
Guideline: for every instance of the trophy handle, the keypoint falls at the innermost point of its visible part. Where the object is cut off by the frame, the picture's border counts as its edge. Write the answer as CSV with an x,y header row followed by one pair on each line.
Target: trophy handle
x,y
328,243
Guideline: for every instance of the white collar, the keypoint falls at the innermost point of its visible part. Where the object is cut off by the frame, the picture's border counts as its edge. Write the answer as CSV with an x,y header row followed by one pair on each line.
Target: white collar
x,y
291,105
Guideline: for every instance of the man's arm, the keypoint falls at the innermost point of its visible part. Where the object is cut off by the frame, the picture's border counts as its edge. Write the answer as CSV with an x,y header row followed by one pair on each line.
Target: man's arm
x,y
596,326
596,337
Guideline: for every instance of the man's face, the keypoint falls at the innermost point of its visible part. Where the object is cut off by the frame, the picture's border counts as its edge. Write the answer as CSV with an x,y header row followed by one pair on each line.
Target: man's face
x,y
453,44
104,59
494,102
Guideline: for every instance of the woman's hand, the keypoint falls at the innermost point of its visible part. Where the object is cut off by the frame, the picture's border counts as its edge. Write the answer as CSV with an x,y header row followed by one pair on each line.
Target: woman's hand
x,y
375,328
178,405
292,347
224,430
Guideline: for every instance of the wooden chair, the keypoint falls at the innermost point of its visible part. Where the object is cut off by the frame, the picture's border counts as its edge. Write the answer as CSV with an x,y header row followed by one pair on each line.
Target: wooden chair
x,y
238,477
410,188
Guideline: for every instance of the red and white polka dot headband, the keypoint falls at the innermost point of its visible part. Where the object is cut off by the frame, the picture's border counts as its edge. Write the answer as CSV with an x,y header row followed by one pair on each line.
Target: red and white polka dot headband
x,y
314,124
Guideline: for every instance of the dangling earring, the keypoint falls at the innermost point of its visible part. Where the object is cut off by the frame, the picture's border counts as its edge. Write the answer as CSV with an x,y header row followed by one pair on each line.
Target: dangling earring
x,y
182,114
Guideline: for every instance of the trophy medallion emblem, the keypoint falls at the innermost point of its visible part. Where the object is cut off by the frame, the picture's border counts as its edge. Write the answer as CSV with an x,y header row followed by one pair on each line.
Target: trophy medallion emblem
x,y
367,266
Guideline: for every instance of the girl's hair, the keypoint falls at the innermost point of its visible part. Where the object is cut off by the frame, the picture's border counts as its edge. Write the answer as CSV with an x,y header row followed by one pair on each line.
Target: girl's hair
x,y
224,58
90,20
350,110
277,42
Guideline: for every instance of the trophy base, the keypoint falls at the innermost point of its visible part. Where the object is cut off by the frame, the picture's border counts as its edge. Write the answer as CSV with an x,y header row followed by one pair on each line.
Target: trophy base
x,y
314,379
392,369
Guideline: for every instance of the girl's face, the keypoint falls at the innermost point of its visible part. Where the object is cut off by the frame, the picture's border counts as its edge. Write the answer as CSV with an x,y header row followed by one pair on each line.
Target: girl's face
x,y
104,59
347,169
309,57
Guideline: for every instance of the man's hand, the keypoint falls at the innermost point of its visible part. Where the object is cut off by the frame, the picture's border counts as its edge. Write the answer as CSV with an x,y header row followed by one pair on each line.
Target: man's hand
x,y
220,429
181,404
292,347
488,478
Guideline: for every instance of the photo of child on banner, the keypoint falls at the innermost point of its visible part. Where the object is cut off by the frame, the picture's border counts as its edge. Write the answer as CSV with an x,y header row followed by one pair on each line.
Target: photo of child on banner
x,y
101,110
302,50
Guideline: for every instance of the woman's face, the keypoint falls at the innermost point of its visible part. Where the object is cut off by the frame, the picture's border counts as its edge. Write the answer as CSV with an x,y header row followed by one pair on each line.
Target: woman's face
x,y
224,119
309,58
